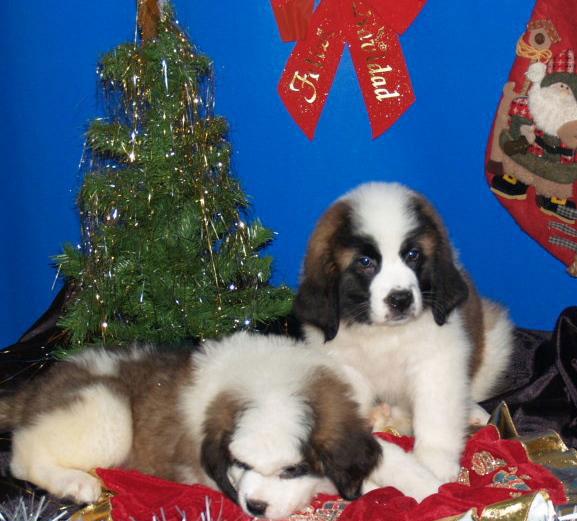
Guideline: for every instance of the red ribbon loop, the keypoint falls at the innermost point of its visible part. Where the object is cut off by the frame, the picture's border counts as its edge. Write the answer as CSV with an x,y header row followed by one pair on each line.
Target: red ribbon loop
x,y
371,28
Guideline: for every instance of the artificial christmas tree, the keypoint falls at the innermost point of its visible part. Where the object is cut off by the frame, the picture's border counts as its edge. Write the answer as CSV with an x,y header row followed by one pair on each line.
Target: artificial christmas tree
x,y
166,253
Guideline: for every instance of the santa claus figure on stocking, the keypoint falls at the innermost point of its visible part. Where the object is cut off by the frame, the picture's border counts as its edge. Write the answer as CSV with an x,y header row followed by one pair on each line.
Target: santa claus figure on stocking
x,y
539,143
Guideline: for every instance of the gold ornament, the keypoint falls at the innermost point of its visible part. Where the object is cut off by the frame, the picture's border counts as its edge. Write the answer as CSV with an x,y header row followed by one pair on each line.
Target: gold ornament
x,y
484,463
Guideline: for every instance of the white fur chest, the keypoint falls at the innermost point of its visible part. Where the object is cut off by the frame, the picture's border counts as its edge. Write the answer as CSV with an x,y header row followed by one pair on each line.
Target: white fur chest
x,y
390,356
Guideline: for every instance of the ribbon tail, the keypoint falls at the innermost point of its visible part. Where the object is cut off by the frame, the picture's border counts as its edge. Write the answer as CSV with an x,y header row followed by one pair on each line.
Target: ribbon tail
x,y
380,65
293,17
310,71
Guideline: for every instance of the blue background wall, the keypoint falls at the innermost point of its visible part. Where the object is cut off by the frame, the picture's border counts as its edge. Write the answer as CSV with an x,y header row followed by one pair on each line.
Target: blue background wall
x,y
459,55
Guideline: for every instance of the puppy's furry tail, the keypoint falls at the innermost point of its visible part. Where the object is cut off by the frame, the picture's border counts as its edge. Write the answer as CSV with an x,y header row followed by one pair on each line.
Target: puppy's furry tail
x,y
7,416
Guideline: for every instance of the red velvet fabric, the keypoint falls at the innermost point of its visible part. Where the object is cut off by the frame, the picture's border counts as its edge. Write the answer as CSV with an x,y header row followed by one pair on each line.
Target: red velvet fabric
x,y
496,469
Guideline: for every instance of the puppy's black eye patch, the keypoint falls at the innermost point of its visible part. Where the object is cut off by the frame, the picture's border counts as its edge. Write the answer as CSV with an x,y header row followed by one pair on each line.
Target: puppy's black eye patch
x,y
295,471
241,465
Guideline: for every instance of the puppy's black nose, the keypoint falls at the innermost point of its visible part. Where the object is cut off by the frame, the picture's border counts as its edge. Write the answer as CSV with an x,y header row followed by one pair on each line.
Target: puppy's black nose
x,y
400,300
255,507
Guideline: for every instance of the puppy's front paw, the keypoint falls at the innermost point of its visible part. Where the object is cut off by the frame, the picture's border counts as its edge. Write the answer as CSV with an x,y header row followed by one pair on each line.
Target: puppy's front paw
x,y
401,470
384,417
420,485
478,416
444,464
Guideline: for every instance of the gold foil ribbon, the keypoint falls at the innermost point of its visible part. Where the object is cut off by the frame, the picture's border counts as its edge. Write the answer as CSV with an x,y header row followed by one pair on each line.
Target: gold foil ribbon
x,y
99,511
501,418
546,449
518,509
514,509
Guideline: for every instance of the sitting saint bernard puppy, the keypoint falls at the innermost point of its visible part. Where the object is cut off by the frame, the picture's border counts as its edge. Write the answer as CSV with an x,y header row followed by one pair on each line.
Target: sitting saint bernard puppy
x,y
382,291
269,422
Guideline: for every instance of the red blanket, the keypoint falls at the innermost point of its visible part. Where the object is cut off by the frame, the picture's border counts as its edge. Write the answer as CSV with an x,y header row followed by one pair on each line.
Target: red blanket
x,y
493,470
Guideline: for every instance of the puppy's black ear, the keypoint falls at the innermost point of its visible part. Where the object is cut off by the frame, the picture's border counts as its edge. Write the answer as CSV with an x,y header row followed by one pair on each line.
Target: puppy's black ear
x,y
341,445
448,286
317,300
215,459
215,455
317,303
348,461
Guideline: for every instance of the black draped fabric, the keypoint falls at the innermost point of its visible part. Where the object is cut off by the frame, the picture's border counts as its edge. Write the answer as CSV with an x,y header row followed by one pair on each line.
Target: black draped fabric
x,y
541,385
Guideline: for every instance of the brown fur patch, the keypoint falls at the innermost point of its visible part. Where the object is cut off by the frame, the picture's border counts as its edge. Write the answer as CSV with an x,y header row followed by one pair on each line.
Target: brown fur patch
x,y
56,389
161,443
428,244
322,256
335,411
344,257
474,325
492,313
430,241
222,414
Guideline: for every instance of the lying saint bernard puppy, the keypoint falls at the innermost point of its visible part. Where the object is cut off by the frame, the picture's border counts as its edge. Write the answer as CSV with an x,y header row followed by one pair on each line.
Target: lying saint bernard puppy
x,y
382,291
269,422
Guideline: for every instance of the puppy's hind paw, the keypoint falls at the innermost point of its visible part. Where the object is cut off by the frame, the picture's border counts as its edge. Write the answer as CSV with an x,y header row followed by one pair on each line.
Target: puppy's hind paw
x,y
79,486
401,470
443,464
423,486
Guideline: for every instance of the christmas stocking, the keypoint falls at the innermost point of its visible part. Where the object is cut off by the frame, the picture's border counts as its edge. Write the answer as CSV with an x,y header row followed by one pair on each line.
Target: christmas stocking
x,y
531,157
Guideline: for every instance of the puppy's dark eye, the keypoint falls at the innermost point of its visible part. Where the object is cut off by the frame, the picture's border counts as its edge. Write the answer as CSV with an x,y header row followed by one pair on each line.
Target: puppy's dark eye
x,y
366,263
241,465
295,471
413,255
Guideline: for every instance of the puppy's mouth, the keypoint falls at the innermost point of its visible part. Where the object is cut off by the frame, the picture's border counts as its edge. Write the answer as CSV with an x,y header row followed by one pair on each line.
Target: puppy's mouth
x,y
396,318
399,319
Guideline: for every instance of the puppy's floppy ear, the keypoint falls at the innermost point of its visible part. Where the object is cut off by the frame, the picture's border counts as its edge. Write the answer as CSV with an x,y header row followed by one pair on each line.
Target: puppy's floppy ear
x,y
317,303
215,455
317,300
448,285
349,459
341,446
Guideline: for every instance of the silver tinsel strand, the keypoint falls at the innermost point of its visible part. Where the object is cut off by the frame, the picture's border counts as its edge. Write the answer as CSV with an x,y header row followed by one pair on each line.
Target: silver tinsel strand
x,y
29,507
32,508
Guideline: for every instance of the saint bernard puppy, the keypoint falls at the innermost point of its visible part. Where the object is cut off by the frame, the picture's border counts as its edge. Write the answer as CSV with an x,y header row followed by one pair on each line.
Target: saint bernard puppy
x,y
382,292
268,421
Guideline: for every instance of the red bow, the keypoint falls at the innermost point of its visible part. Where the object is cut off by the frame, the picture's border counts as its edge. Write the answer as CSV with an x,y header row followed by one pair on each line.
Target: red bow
x,y
372,29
